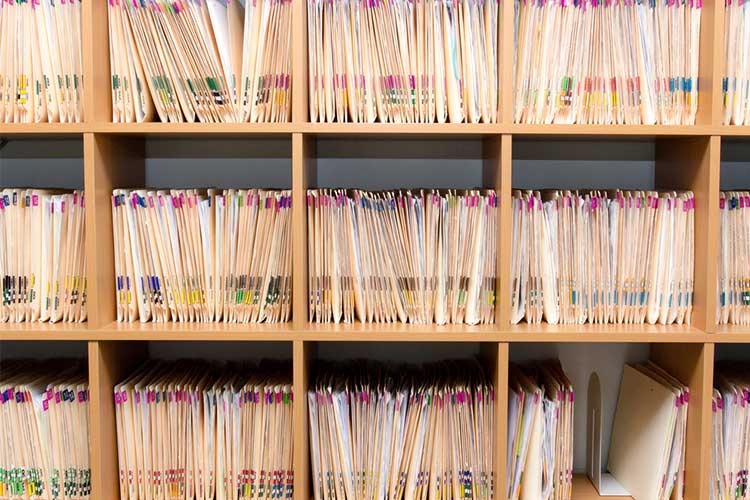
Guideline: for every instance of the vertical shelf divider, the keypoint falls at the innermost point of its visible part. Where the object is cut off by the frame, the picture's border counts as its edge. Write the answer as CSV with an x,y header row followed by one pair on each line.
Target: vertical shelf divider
x,y
303,176
497,171
109,162
109,364
499,358
302,356
693,163
693,364
96,72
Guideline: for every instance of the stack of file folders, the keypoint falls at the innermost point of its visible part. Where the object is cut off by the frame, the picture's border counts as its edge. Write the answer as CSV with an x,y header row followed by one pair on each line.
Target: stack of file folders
x,y
399,433
44,417
41,63
648,446
736,84
193,430
408,256
602,257
403,61
611,62
730,428
733,301
42,255
193,255
213,60
540,433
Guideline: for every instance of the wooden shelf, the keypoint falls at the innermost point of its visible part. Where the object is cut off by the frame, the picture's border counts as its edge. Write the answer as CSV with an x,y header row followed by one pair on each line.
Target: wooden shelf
x,y
403,129
41,129
733,131
197,331
194,129
45,331
363,332
584,490
372,129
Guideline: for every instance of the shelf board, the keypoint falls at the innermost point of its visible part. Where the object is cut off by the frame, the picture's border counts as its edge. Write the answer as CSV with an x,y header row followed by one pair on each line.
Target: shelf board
x,y
371,129
172,331
612,130
195,129
544,332
46,331
730,333
42,129
584,490
410,129
369,332
734,131
400,332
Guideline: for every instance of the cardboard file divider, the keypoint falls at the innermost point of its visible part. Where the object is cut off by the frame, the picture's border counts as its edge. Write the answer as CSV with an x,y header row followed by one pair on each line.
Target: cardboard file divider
x,y
604,482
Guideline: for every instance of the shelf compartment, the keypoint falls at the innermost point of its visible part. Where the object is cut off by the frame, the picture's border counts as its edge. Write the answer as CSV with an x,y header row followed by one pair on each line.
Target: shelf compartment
x,y
389,163
492,356
692,364
111,362
640,163
143,161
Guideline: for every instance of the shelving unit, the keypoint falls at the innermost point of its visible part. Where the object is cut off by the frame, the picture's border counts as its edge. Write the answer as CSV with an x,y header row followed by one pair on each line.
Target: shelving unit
x,y
117,155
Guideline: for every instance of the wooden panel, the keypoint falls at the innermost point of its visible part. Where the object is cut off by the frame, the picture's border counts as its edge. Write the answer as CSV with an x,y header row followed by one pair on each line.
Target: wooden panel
x,y
491,179
303,176
108,162
109,363
96,72
497,170
693,365
303,355
500,380
505,227
693,163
